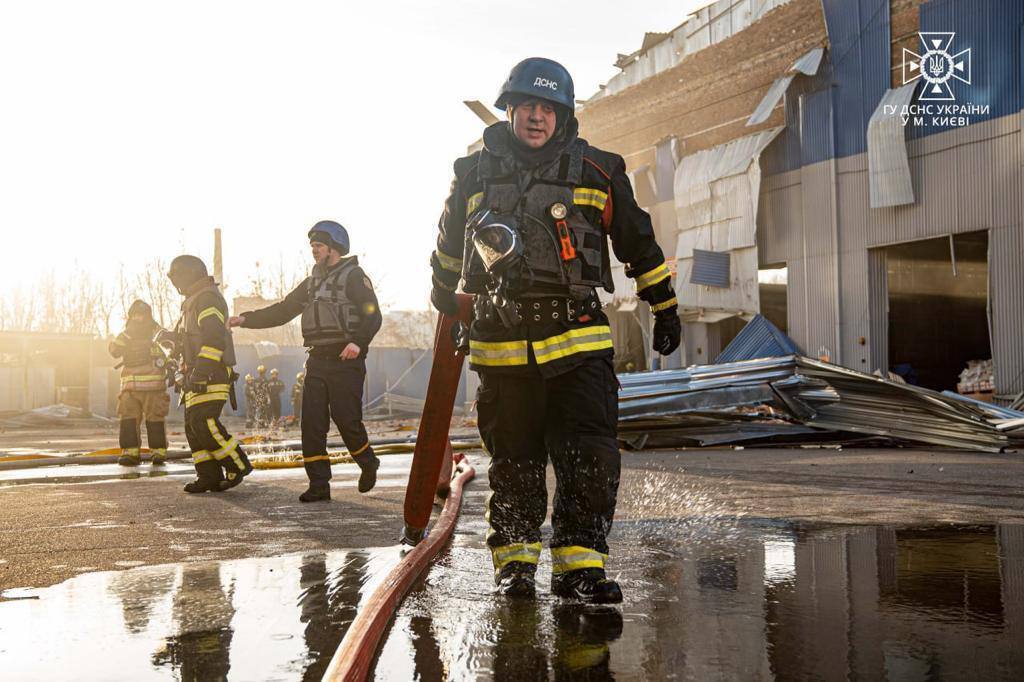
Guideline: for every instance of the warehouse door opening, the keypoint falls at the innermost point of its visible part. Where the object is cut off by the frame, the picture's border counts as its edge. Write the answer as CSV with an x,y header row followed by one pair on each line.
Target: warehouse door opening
x,y
772,281
938,308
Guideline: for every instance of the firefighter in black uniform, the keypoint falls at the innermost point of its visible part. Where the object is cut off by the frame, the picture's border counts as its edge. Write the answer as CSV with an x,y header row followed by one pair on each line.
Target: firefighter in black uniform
x,y
525,228
143,395
208,359
275,387
340,317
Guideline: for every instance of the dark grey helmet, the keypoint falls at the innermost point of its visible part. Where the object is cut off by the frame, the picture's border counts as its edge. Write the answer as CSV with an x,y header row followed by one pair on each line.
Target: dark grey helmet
x,y
541,78
185,271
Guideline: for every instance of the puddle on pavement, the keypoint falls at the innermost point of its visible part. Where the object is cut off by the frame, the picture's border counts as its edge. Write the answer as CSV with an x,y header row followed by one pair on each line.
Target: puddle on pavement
x,y
758,600
279,618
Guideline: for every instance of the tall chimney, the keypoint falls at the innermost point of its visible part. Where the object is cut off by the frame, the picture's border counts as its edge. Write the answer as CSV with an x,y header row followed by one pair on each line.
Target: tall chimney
x,y
218,258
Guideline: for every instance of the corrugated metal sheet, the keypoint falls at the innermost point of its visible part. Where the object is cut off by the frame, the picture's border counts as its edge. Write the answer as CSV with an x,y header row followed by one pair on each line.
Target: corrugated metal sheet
x,y
858,32
878,302
820,242
888,163
807,65
758,339
779,219
710,268
991,29
1006,302
716,202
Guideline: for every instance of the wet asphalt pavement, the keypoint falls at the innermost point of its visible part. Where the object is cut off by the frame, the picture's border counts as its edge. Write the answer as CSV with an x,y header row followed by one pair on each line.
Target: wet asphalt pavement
x,y
735,565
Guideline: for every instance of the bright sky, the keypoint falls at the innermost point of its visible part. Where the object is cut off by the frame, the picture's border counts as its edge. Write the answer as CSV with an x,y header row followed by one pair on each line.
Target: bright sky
x,y
130,129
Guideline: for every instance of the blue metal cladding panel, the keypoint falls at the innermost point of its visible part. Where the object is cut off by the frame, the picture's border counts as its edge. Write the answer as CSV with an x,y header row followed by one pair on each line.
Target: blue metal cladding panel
x,y
859,38
710,268
783,154
816,138
758,339
992,31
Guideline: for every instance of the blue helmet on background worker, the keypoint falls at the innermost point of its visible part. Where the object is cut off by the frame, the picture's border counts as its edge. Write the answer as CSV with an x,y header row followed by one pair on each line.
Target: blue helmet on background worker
x,y
538,77
332,234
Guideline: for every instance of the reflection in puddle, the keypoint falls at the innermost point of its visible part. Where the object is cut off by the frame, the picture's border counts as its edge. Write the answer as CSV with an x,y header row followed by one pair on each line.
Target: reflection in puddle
x,y
761,601
259,619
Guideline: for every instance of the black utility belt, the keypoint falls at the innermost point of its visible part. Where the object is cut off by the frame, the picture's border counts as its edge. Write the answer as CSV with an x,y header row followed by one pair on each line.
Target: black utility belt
x,y
545,309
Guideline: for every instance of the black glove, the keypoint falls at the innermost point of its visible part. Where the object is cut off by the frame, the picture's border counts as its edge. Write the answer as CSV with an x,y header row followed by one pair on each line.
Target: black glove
x,y
197,381
667,330
444,300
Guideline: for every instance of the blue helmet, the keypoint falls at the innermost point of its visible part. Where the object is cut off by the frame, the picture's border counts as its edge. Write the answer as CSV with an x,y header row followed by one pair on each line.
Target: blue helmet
x,y
538,77
332,234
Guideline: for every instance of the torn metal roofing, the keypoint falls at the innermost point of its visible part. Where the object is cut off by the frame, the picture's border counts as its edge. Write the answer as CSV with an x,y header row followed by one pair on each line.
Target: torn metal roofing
x,y
758,339
888,163
807,65
795,399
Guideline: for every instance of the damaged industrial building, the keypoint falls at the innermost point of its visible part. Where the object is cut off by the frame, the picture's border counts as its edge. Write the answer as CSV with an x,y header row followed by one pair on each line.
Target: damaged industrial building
x,y
848,169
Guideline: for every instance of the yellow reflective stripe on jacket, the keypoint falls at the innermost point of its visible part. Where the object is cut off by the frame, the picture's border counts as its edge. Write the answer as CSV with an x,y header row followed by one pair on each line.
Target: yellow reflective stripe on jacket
x,y
565,559
213,392
528,553
498,354
655,307
211,353
585,196
652,277
473,203
212,310
450,263
571,342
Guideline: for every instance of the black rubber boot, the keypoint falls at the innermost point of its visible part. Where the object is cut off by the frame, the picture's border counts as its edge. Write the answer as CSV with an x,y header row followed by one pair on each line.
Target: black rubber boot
x,y
588,585
158,458
516,579
209,476
368,465
318,491
233,477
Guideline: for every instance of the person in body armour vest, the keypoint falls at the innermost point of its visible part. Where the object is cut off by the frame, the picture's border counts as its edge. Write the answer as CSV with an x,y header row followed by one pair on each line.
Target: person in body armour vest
x,y
340,317
208,359
143,395
525,228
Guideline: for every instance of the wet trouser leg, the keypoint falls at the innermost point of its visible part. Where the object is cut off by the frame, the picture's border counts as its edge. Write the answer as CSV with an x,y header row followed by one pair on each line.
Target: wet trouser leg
x,y
580,433
316,422
129,439
210,437
511,411
198,437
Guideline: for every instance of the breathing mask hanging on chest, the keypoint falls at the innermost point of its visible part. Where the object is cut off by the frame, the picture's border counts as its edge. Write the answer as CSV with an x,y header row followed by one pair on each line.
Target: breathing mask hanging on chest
x,y
500,250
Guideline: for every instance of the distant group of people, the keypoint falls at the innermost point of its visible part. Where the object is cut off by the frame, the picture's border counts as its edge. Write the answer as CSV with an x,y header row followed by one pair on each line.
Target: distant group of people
x,y
263,398
340,316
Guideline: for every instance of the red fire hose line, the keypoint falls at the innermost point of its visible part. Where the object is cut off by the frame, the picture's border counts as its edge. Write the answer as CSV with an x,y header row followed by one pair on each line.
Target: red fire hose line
x,y
352,660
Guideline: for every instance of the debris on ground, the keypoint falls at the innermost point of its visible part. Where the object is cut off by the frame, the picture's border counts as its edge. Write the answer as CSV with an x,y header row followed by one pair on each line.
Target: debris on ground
x,y
794,400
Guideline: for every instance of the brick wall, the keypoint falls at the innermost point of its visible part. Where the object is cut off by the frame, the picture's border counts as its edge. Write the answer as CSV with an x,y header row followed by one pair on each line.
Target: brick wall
x,y
706,100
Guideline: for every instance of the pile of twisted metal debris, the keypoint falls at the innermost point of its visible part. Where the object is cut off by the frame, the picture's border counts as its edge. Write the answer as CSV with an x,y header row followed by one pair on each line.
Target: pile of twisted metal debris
x,y
792,399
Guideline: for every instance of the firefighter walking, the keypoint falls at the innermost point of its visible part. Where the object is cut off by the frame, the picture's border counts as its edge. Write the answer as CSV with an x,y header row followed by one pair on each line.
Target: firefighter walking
x,y
340,317
143,396
208,357
526,228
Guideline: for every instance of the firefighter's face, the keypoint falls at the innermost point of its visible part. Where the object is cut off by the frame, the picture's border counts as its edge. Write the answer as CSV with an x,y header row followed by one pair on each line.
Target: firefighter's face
x,y
321,252
533,122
